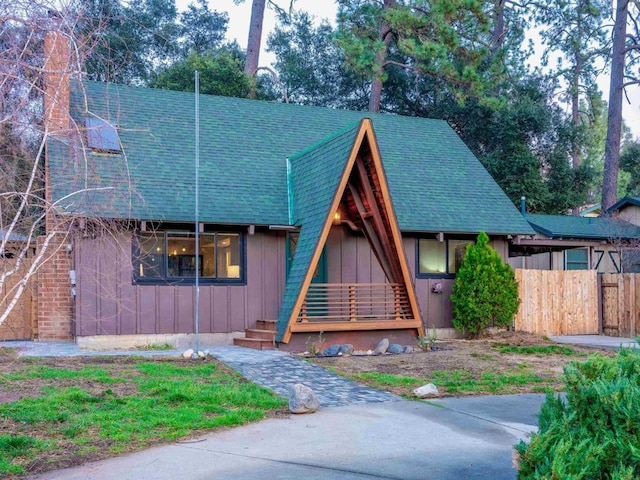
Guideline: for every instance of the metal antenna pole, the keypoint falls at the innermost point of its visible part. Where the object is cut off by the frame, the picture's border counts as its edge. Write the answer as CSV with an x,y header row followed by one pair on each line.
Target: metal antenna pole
x,y
197,142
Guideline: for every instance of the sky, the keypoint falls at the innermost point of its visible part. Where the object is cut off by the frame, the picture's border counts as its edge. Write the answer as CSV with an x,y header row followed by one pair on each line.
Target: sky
x,y
239,16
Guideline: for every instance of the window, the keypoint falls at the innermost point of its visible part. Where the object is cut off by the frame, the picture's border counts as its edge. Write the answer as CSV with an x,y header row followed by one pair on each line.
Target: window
x,y
576,259
170,256
440,259
101,135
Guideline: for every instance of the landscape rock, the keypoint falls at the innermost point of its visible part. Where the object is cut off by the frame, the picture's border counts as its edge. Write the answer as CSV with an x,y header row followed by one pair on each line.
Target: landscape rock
x,y
381,347
188,353
407,349
346,349
395,348
427,390
331,351
302,399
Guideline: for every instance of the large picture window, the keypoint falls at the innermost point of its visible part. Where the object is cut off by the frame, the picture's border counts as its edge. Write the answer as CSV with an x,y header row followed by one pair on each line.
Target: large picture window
x,y
170,256
440,259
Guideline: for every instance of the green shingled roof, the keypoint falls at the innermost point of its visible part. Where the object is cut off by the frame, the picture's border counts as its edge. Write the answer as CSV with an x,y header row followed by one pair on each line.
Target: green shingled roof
x,y
569,226
315,175
435,181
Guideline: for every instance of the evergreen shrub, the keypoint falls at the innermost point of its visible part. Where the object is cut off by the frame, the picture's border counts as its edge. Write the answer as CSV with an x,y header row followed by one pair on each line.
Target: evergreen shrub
x,y
595,433
485,291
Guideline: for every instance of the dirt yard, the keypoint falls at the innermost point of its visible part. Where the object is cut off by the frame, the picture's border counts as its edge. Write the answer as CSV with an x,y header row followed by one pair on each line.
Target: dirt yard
x,y
508,362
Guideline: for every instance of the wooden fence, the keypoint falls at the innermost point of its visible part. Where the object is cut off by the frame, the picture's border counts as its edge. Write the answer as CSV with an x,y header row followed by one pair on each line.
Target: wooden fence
x,y
558,302
22,322
621,304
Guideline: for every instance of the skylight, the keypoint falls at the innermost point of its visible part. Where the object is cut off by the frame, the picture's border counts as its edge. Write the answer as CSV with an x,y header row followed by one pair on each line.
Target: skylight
x,y
102,136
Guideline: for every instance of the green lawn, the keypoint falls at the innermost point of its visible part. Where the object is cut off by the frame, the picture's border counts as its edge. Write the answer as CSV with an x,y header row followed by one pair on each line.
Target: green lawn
x,y
94,410
459,382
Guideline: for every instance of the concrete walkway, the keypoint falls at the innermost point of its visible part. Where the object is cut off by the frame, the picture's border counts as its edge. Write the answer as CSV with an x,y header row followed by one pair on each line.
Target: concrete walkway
x,y
599,341
451,439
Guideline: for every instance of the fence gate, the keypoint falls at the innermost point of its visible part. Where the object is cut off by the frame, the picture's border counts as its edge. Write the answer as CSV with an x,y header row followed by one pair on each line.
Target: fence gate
x,y
558,302
22,322
620,297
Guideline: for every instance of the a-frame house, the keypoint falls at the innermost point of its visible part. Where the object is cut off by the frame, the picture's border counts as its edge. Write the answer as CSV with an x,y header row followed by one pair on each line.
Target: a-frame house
x,y
341,180
300,227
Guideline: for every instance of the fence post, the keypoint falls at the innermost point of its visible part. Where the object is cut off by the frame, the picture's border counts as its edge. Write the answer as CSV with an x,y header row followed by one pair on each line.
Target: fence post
x,y
600,303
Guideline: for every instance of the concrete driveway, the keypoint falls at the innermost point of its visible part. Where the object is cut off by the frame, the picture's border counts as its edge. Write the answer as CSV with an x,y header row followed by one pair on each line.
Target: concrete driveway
x,y
458,438
599,341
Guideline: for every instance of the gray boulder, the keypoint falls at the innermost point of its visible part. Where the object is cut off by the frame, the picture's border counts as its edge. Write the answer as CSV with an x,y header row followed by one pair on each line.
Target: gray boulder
x,y
302,399
346,349
407,349
381,347
395,348
331,351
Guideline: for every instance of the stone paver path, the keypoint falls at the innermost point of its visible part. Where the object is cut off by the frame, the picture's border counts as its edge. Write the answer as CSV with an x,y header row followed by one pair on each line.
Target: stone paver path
x,y
278,371
273,369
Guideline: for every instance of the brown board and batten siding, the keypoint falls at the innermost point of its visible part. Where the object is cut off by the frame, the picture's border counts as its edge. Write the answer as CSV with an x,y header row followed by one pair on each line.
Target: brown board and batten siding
x,y
437,309
350,259
108,303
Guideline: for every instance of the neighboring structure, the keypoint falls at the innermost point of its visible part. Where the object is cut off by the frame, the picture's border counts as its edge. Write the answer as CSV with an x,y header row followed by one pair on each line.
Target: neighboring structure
x,y
346,223
566,242
627,209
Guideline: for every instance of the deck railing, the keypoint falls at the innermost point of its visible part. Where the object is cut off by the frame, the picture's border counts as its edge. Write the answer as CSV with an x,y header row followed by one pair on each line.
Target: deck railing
x,y
357,302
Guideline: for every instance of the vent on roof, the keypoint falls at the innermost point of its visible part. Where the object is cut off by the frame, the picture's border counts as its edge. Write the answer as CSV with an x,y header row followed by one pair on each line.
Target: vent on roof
x,y
102,136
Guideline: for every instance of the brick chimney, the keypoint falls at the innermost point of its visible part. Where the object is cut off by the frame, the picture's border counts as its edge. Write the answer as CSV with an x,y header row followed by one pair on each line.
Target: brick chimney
x,y
55,298
57,57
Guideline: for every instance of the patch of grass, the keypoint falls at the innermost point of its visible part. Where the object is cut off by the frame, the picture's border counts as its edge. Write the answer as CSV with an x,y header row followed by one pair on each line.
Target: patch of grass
x,y
45,372
458,382
484,356
535,349
382,380
16,446
169,402
155,346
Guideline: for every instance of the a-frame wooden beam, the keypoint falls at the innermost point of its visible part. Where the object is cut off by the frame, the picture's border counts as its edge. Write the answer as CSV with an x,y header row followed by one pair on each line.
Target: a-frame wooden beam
x,y
376,230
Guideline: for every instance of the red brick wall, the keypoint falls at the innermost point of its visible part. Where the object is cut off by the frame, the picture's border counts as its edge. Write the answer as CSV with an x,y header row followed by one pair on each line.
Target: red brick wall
x,y
55,302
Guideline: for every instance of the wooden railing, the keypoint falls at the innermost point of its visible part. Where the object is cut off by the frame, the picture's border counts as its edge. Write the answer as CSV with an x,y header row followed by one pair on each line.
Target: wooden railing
x,y
361,302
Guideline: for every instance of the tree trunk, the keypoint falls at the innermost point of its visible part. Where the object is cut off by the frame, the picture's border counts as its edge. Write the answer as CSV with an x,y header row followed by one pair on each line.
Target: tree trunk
x,y
498,31
380,59
255,37
614,116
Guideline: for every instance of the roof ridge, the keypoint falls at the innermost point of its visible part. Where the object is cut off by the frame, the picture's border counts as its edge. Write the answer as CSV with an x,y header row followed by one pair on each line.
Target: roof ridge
x,y
327,139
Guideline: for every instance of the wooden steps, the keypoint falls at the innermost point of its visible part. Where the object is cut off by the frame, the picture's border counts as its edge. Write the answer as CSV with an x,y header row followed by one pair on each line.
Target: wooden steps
x,y
260,338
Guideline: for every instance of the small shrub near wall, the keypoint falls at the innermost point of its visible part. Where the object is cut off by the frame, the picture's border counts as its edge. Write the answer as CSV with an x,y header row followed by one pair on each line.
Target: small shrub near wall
x,y
595,434
485,291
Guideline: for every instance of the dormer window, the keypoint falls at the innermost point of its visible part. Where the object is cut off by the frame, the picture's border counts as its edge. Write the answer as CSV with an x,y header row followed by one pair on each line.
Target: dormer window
x,y
102,136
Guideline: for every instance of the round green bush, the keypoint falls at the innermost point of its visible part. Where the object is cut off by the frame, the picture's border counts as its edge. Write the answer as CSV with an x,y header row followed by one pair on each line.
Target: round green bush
x,y
485,291
595,434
